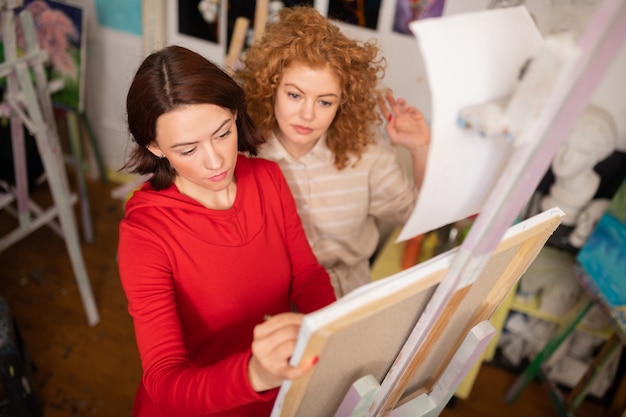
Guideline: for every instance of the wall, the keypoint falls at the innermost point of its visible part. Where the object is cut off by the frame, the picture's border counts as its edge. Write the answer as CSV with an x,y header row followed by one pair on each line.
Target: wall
x,y
113,54
115,50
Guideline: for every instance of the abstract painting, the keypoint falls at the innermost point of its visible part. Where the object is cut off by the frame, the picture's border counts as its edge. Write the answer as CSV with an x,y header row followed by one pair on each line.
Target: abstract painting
x,y
603,258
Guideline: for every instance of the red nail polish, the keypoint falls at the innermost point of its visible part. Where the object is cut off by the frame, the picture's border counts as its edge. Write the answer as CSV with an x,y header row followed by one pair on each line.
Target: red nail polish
x,y
315,360
389,117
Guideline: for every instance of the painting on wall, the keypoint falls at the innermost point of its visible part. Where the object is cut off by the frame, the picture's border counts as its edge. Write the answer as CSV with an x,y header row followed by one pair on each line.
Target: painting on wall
x,y
363,13
60,27
199,19
408,11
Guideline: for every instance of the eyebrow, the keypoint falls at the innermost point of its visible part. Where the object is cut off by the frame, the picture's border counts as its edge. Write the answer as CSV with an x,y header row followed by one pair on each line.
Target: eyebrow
x,y
299,89
224,123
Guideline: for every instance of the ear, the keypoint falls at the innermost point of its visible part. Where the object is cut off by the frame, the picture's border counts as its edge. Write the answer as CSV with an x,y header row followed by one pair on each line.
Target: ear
x,y
154,148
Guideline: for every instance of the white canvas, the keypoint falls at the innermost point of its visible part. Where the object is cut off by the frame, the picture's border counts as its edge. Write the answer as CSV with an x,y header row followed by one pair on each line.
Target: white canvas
x,y
470,59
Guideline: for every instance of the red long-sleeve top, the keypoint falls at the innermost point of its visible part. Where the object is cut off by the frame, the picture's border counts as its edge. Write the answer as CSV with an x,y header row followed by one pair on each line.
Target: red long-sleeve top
x,y
198,280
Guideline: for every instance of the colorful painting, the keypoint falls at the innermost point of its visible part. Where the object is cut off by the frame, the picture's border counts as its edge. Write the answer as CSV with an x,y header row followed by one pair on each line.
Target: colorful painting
x,y
408,11
603,257
61,33
363,13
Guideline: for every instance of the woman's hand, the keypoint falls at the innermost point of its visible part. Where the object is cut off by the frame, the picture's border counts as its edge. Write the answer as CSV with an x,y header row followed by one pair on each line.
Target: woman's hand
x,y
272,347
406,125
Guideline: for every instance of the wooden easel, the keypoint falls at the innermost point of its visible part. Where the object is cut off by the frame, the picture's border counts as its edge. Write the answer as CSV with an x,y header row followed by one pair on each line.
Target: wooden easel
x,y
427,404
238,38
30,106
530,159
77,123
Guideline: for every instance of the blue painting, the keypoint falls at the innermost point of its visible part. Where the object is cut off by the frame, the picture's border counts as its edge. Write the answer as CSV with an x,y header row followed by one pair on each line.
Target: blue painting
x,y
603,257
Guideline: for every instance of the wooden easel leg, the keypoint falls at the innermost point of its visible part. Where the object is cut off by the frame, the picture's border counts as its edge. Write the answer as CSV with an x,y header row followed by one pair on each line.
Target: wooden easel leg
x,y
48,146
21,174
94,146
55,172
73,130
597,365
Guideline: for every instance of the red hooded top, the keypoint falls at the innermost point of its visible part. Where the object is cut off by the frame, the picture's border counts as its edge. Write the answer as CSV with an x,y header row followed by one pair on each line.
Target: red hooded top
x,y
198,280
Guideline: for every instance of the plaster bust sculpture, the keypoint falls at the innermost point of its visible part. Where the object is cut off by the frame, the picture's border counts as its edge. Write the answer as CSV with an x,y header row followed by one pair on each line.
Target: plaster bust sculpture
x,y
592,140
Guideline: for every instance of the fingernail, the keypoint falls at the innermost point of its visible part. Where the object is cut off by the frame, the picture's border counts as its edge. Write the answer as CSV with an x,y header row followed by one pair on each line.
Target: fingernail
x,y
315,360
389,117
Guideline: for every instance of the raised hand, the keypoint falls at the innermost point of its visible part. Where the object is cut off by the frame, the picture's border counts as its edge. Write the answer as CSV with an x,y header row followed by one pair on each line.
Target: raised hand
x,y
406,125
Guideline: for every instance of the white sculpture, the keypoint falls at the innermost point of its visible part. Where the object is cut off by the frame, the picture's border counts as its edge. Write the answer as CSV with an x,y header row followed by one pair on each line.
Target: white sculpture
x,y
592,140
209,10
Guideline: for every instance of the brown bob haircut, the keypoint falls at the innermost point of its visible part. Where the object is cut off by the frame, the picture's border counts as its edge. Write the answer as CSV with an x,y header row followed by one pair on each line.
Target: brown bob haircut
x,y
166,80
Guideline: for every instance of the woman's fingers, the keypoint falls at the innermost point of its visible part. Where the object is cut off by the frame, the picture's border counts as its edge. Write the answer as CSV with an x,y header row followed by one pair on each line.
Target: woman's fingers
x,y
272,347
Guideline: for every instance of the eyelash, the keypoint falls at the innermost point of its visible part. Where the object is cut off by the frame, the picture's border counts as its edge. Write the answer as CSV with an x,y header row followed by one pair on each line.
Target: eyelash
x,y
296,96
223,136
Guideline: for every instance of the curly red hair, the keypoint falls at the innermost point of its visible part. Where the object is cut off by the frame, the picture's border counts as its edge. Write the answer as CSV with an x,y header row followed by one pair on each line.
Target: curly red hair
x,y
303,36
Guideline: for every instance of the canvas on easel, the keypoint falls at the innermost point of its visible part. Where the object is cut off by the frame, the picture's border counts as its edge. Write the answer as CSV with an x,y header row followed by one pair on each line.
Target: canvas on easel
x,y
61,33
561,97
603,260
362,333
28,92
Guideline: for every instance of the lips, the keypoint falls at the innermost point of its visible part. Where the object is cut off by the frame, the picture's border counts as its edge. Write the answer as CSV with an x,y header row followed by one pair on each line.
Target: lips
x,y
218,177
303,130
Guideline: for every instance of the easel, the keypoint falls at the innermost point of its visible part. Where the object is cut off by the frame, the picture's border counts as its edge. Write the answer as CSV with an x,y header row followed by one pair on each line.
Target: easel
x,y
361,334
428,404
566,405
529,161
240,30
77,122
30,106
586,273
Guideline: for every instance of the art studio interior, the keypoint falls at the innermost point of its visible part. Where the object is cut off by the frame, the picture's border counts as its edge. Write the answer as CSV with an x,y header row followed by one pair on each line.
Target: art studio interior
x,y
501,290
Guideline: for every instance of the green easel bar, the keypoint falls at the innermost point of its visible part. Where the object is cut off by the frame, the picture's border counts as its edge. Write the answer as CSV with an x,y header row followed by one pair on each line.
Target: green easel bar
x,y
553,344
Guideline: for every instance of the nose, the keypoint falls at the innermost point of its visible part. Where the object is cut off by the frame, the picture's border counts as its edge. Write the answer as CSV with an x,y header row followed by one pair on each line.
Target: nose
x,y
212,159
307,110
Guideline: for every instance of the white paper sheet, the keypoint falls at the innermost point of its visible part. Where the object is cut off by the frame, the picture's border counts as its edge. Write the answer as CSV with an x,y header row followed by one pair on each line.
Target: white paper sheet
x,y
470,59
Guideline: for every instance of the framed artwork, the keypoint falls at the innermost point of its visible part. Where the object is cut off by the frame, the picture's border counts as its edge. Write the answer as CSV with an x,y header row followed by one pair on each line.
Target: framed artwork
x,y
199,19
194,24
60,26
408,11
362,13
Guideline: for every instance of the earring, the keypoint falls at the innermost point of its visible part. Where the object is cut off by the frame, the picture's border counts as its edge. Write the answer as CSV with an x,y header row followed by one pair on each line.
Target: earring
x,y
161,156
